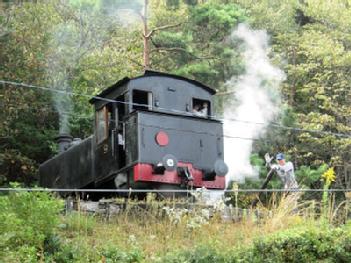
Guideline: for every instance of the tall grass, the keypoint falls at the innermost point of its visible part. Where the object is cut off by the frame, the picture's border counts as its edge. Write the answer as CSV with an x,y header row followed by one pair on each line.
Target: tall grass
x,y
156,231
158,228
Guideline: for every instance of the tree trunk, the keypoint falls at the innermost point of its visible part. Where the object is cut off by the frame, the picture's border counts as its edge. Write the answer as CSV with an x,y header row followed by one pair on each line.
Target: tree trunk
x,y
146,38
293,86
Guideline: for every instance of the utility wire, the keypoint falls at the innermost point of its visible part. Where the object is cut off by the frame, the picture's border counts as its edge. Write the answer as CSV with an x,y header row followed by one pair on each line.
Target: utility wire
x,y
91,117
197,132
130,190
170,110
64,113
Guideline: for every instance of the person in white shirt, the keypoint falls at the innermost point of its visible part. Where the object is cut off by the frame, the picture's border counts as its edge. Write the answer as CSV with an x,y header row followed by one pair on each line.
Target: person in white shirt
x,y
201,111
285,171
196,110
204,110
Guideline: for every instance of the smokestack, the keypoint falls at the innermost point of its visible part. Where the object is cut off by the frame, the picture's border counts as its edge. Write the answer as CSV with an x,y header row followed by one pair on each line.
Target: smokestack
x,y
64,141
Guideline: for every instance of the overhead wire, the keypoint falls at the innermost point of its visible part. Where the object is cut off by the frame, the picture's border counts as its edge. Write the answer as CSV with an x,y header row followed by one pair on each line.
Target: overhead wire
x,y
131,190
64,113
17,84
198,132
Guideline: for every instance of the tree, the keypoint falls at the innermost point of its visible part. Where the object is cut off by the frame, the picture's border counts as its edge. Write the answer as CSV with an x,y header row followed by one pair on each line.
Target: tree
x,y
201,49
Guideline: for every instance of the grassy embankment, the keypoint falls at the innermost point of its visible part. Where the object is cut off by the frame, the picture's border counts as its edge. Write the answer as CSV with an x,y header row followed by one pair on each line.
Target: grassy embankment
x,y
35,229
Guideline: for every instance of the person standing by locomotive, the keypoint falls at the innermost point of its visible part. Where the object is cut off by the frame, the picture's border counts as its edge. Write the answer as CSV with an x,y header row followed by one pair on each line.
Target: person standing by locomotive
x,y
285,171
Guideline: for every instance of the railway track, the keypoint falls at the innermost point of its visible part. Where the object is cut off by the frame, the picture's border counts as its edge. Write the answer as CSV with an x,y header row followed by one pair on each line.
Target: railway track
x,y
110,208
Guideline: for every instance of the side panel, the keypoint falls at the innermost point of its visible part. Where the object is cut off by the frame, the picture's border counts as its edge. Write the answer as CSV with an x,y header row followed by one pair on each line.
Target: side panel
x,y
106,158
70,169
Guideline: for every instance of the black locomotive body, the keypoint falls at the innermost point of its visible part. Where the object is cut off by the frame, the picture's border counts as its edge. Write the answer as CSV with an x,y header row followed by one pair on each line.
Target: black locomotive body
x,y
148,134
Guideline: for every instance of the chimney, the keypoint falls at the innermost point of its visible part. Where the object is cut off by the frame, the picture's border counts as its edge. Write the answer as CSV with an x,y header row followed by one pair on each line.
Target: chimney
x,y
64,141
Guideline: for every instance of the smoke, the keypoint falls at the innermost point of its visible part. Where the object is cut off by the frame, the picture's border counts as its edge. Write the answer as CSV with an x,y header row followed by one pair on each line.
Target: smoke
x,y
128,13
254,102
62,59
85,27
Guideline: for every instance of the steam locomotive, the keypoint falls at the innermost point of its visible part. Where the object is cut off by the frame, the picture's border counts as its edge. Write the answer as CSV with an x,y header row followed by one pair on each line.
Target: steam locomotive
x,y
147,136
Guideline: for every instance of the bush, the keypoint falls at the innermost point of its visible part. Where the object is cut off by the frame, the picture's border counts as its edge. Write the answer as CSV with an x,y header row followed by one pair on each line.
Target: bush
x,y
114,255
27,220
202,254
305,245
82,251
14,166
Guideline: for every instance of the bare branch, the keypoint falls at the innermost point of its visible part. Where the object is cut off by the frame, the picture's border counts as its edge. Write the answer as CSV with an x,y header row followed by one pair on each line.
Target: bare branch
x,y
161,28
225,93
178,49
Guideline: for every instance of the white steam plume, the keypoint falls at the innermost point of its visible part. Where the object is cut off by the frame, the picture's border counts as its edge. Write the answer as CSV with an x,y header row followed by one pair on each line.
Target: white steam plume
x,y
62,59
254,103
78,36
129,13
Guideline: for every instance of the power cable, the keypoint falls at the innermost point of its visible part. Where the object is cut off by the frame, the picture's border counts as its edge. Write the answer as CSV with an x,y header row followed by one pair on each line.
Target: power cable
x,y
91,117
130,190
199,133
64,113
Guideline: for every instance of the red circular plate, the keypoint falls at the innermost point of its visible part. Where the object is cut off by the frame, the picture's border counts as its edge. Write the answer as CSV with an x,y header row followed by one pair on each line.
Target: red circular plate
x,y
162,138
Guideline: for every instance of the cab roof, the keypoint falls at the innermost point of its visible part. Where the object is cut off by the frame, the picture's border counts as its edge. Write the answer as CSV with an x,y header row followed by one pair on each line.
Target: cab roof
x,y
150,73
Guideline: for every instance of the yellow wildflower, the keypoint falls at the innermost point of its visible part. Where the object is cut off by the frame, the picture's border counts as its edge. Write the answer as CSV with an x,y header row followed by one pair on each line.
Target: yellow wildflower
x,y
329,176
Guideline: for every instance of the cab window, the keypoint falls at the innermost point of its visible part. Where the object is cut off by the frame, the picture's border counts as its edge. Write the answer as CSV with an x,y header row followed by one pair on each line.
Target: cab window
x,y
142,100
201,108
101,124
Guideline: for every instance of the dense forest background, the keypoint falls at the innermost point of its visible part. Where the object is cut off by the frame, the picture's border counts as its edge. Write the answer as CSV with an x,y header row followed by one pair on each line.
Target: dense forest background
x,y
83,46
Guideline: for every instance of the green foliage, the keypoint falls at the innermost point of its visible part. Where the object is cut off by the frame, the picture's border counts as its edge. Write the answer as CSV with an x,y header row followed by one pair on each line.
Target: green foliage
x,y
78,251
296,245
275,16
170,40
306,245
27,221
14,167
219,19
201,254
310,177
113,255
257,161
200,49
76,222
